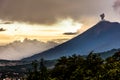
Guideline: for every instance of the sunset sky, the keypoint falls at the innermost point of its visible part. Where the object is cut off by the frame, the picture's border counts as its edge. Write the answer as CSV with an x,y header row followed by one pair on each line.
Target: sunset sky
x,y
55,32
49,20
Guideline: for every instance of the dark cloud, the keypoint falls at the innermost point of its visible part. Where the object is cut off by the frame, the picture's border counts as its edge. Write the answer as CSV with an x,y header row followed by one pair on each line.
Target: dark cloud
x,y
48,11
1,29
70,33
6,22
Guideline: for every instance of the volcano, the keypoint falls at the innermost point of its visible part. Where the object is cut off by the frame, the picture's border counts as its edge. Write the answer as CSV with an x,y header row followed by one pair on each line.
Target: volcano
x,y
101,37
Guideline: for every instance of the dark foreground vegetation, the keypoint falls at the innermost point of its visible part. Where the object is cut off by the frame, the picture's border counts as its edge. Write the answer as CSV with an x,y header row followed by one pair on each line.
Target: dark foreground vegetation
x,y
93,67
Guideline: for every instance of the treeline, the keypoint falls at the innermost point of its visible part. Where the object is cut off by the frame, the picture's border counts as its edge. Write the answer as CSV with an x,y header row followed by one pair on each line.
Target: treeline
x,y
93,67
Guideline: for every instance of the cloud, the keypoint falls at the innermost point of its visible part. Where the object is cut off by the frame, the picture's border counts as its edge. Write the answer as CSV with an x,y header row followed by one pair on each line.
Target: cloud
x,y
48,11
18,50
1,29
60,41
6,22
70,33
116,5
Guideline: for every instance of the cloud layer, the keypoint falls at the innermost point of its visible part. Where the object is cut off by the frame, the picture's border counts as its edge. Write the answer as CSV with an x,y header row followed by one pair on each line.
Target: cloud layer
x,y
116,5
48,11
18,50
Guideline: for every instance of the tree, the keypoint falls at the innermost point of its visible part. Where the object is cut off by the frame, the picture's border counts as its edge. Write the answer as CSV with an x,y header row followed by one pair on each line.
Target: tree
x,y
38,73
34,74
74,67
59,71
43,71
112,67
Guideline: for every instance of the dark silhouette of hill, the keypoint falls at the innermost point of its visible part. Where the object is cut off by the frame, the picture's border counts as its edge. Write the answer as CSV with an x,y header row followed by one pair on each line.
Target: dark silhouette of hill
x,y
101,37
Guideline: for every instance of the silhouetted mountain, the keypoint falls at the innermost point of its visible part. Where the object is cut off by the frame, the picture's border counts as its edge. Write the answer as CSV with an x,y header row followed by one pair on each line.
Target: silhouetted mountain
x,y
109,53
102,37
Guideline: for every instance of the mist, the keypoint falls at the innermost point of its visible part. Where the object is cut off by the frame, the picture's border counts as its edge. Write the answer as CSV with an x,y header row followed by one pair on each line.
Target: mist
x,y
18,50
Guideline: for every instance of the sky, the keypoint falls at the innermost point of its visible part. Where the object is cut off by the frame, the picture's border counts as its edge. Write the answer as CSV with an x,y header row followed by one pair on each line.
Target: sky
x,y
28,27
49,20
